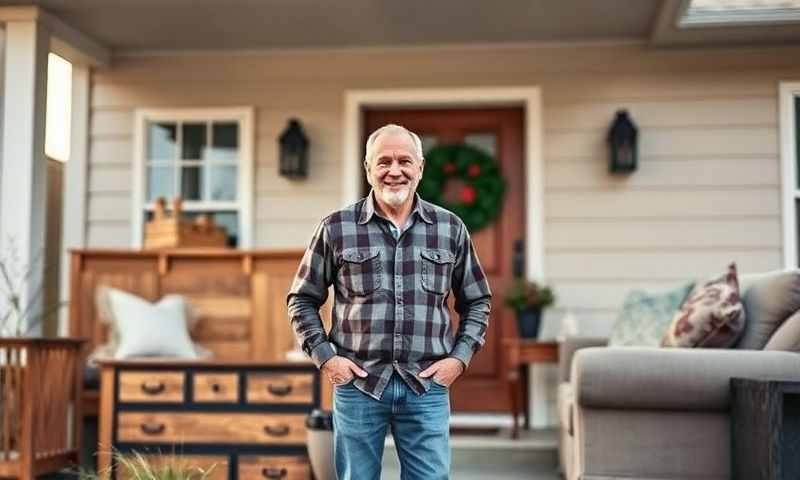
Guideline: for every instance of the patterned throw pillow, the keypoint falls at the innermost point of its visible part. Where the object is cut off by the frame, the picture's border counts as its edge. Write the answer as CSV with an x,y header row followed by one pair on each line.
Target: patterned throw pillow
x,y
712,317
645,317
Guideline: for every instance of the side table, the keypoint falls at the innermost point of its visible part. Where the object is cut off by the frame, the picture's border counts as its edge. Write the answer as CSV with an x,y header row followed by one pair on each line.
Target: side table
x,y
765,429
517,354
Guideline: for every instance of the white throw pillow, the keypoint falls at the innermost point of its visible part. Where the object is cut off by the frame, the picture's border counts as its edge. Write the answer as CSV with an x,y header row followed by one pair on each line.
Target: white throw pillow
x,y
150,329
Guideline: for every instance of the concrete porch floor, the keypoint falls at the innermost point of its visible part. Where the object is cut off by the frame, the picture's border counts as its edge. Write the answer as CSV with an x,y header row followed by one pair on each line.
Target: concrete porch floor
x,y
533,456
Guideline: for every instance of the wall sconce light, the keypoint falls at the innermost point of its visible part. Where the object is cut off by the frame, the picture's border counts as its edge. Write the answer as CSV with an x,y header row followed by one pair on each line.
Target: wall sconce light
x,y
622,142
293,151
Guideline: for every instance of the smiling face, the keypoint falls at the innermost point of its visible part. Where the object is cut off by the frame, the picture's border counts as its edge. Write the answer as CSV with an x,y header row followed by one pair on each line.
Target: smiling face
x,y
394,171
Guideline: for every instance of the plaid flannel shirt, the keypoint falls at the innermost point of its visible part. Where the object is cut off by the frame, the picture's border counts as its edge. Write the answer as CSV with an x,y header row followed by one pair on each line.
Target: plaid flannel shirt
x,y
390,306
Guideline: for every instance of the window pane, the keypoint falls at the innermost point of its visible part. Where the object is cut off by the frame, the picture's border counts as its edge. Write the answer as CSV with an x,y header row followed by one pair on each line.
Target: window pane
x,y
484,141
226,141
191,183
227,219
797,136
797,226
223,182
160,182
161,141
194,141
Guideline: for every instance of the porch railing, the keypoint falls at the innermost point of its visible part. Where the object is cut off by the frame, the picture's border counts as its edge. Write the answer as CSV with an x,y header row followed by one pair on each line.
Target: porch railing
x,y
40,385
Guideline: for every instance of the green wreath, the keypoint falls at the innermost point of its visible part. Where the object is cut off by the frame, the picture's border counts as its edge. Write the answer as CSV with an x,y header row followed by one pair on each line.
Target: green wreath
x,y
466,181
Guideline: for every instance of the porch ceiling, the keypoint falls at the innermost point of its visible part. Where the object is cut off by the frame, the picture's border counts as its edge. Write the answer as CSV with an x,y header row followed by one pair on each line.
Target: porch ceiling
x,y
126,25
182,25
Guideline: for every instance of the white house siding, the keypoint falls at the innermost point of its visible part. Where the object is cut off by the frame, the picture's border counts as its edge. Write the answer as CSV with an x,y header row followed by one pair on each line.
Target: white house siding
x,y
706,191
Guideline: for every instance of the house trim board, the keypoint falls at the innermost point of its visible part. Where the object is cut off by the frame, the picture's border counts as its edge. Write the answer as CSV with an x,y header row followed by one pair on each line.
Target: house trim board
x,y
787,92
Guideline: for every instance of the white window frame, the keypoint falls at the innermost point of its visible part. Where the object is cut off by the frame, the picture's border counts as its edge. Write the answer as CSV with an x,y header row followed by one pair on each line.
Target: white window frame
x,y
790,191
244,202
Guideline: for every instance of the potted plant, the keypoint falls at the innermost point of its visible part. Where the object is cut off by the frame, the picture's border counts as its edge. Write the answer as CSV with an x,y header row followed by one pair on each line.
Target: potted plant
x,y
528,299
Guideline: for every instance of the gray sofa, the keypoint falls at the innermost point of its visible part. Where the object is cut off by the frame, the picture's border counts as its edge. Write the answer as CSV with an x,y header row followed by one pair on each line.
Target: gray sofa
x,y
663,413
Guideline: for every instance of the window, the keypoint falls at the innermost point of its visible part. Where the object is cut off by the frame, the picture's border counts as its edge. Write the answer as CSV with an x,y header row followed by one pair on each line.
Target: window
x,y
201,155
790,171
705,13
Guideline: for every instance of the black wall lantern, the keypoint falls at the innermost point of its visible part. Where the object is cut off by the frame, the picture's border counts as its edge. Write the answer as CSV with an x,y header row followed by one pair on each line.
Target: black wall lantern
x,y
622,143
294,151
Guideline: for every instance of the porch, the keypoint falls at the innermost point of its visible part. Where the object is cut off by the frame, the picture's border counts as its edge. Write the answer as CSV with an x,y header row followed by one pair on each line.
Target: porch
x,y
716,107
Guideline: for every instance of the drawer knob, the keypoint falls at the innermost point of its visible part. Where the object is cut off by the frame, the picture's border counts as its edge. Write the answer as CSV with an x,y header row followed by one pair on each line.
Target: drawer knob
x,y
152,428
273,472
279,390
279,431
215,388
153,389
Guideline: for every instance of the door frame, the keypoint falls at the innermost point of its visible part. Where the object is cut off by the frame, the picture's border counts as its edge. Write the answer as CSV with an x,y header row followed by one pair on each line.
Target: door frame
x,y
527,97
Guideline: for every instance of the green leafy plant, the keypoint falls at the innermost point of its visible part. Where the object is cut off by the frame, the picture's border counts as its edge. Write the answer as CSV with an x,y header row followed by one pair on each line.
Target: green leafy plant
x,y
525,295
136,466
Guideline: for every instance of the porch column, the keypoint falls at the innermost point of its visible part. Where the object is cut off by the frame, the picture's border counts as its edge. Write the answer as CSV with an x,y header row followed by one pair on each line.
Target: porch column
x,y
23,183
76,174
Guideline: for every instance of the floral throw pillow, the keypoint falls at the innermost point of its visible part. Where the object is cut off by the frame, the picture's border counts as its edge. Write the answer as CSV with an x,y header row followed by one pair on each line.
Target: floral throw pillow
x,y
712,316
645,316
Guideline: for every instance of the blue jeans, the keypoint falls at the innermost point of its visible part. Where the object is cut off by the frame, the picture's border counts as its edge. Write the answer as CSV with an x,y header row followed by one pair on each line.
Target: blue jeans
x,y
420,427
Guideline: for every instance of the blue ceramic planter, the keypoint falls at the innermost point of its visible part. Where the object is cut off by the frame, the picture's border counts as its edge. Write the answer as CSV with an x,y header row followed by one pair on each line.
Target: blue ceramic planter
x,y
528,322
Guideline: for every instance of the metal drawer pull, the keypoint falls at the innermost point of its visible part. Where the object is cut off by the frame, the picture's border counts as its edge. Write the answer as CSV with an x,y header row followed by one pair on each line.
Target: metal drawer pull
x,y
280,431
151,389
152,429
273,472
279,390
216,388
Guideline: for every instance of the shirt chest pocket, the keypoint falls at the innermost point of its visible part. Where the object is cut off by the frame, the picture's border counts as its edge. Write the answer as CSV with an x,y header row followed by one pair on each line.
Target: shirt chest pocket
x,y
437,269
361,270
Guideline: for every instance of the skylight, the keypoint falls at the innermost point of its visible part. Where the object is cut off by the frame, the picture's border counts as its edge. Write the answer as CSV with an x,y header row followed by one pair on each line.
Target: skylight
x,y
738,12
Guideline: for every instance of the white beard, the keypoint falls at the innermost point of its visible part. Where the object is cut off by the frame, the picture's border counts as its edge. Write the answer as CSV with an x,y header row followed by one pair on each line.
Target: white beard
x,y
395,199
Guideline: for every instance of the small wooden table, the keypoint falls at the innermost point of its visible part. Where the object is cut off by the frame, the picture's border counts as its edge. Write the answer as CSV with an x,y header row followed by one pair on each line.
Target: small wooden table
x,y
517,354
765,429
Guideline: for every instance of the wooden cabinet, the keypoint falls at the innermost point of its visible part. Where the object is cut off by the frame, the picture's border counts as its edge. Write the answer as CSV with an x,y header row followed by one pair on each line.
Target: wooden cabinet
x,y
247,418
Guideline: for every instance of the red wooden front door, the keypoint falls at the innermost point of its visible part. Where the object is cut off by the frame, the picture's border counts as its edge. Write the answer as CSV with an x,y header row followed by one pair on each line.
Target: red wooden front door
x,y
500,133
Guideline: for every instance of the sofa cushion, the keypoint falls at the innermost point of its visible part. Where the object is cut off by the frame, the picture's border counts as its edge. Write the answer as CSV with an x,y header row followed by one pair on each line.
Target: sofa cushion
x,y
712,317
671,378
645,317
787,337
769,299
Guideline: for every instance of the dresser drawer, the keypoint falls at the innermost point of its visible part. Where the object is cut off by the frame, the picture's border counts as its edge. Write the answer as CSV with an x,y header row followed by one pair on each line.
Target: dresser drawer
x,y
253,467
189,462
216,387
151,386
226,428
280,388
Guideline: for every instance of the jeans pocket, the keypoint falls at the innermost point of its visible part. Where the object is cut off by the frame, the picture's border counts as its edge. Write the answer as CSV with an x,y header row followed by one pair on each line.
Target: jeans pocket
x,y
433,381
344,384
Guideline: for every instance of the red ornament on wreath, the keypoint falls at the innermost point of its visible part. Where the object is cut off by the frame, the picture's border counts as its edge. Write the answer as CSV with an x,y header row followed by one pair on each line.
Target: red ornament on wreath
x,y
449,168
474,170
468,195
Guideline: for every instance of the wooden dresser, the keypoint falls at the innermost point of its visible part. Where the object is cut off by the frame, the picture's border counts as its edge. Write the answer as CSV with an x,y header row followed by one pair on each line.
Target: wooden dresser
x,y
248,418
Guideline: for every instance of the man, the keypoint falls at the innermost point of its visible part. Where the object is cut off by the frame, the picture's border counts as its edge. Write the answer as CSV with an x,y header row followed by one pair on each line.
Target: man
x,y
391,353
